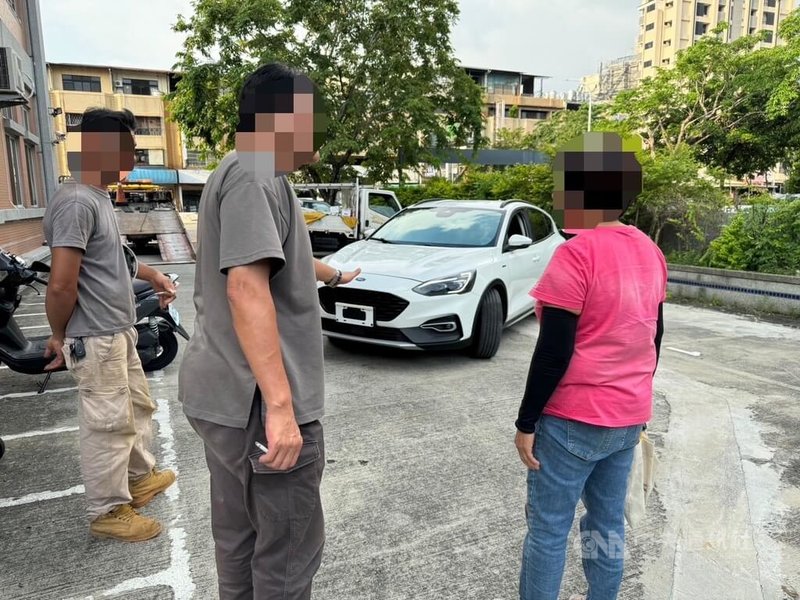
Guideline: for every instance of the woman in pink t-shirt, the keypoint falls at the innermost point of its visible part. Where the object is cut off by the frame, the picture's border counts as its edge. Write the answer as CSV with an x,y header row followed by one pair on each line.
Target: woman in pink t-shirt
x,y
590,385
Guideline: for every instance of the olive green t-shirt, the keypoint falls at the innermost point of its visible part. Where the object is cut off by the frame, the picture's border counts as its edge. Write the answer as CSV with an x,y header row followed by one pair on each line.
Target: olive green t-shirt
x,y
243,219
82,217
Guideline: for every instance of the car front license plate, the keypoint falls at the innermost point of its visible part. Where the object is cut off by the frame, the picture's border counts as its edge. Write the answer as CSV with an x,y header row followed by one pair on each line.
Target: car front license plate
x,y
353,314
173,312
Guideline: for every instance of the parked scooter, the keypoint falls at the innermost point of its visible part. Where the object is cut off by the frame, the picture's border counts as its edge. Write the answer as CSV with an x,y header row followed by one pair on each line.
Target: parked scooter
x,y
157,345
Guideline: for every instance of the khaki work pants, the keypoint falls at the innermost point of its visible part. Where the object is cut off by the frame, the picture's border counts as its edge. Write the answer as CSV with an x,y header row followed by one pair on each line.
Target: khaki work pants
x,y
115,418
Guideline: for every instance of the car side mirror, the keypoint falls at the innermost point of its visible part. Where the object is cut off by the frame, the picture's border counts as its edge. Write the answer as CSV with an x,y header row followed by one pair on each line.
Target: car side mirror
x,y
519,241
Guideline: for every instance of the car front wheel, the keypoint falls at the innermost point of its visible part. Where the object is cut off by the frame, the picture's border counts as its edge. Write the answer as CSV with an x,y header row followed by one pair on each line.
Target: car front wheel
x,y
488,326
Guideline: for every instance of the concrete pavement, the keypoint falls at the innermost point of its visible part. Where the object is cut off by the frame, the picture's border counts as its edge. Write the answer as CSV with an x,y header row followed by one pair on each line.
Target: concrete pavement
x,y
423,491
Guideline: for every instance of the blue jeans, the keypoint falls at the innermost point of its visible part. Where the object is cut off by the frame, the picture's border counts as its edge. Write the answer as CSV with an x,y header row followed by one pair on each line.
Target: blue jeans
x,y
577,461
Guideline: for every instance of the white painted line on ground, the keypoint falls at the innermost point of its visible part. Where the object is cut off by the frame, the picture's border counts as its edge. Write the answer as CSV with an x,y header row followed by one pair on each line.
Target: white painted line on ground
x,y
29,315
40,497
31,394
687,352
30,434
36,327
178,575
168,457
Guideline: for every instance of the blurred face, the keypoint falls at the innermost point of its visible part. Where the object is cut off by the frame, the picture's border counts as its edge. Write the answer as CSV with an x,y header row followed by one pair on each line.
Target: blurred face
x,y
271,144
596,178
105,158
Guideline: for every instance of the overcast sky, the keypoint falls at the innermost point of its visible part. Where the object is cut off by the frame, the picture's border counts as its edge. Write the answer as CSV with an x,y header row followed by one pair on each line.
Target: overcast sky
x,y
564,39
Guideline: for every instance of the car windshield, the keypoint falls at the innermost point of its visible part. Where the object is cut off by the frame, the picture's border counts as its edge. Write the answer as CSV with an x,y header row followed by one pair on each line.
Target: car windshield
x,y
459,227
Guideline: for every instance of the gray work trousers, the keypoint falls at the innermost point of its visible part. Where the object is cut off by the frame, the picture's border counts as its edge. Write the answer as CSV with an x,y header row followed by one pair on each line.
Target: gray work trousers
x,y
268,527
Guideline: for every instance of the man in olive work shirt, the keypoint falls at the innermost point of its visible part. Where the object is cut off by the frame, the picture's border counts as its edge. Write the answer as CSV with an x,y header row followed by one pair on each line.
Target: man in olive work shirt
x,y
253,370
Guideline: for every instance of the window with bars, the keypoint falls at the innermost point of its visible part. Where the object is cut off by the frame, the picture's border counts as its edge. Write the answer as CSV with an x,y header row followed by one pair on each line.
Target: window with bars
x,y
81,83
148,126
196,160
702,10
74,122
769,18
650,27
139,87
648,45
768,37
14,172
770,3
700,28
33,180
648,63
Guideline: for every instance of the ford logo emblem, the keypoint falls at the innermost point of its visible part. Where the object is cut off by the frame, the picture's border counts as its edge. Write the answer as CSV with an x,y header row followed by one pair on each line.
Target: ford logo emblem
x,y
360,279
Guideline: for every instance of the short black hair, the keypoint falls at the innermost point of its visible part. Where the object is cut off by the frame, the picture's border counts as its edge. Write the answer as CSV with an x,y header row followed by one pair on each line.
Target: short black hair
x,y
105,120
270,89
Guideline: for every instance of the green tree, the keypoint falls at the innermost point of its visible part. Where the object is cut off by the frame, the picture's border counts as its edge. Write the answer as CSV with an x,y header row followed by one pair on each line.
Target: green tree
x,y
532,183
785,95
386,68
513,139
715,100
763,238
675,195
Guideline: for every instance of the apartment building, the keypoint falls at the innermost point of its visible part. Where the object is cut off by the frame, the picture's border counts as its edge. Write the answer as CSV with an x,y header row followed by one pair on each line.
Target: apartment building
x,y
26,174
162,156
668,26
74,88
511,100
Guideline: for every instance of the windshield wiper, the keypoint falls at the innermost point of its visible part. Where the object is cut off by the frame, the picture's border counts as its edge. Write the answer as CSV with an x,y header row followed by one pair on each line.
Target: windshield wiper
x,y
382,240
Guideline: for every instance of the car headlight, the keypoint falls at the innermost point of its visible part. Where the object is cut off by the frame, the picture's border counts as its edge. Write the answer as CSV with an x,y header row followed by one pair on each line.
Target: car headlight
x,y
458,284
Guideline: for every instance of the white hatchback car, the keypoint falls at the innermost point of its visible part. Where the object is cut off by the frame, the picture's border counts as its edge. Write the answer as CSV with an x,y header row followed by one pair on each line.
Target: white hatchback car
x,y
441,274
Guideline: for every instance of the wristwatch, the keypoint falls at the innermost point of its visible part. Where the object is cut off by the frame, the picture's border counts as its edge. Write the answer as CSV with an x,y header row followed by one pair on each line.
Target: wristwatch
x,y
335,280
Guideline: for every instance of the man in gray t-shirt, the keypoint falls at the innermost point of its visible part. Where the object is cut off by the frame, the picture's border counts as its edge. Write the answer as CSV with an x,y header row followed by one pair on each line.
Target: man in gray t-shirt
x,y
252,372
91,310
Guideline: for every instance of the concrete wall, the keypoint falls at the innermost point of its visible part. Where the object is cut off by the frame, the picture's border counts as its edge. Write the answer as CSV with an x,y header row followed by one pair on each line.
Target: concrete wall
x,y
737,289
20,219
18,235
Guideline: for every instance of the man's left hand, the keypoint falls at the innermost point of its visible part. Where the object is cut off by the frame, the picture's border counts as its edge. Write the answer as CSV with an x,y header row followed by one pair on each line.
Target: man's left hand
x,y
349,276
524,443
165,288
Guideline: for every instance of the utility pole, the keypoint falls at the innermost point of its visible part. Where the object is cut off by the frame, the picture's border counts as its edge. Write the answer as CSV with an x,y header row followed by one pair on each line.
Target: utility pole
x,y
44,116
589,127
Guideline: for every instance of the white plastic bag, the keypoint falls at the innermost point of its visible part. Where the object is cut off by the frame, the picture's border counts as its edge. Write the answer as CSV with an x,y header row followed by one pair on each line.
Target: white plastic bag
x,y
640,481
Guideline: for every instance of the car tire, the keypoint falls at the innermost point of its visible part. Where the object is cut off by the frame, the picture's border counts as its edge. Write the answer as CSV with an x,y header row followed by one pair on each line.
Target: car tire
x,y
2,448
488,328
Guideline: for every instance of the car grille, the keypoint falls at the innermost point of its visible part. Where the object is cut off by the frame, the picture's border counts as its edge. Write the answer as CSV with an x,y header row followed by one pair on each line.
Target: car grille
x,y
387,306
388,334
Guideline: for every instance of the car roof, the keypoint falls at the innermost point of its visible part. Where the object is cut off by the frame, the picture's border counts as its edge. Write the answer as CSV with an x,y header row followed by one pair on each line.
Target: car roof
x,y
489,204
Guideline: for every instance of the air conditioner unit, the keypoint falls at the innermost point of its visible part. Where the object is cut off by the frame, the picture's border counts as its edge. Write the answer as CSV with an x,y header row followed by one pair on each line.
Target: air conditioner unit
x,y
118,84
11,74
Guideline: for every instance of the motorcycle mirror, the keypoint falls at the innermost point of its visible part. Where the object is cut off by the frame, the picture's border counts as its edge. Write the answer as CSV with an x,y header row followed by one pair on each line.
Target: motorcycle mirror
x,y
40,267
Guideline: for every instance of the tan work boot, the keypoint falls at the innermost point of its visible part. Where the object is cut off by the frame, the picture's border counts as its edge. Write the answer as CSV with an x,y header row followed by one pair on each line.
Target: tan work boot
x,y
126,525
146,488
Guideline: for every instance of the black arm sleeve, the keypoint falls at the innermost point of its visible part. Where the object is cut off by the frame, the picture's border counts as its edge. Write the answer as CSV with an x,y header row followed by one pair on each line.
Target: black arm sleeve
x,y
659,331
550,361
